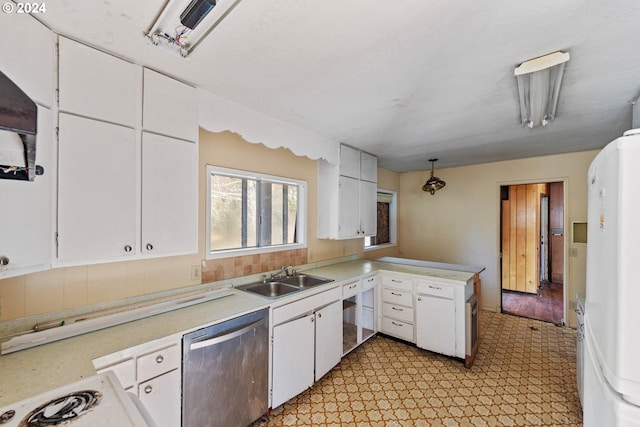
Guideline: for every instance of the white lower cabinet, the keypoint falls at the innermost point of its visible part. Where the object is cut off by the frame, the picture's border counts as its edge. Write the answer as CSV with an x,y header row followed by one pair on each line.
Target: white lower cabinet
x,y
397,307
328,344
436,324
306,343
151,371
293,354
162,398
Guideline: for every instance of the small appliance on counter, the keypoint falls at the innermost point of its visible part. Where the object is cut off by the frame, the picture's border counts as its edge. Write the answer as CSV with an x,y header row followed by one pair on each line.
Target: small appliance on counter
x,y
95,401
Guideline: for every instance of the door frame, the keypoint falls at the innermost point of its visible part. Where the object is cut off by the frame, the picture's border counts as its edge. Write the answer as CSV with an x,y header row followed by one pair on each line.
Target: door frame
x,y
566,225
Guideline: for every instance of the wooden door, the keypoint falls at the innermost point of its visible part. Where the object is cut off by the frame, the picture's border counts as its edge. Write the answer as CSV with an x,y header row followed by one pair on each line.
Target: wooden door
x,y
521,237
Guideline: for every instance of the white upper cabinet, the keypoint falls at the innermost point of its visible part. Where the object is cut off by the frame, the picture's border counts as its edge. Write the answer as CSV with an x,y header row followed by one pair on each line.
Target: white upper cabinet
x,y
29,60
170,107
169,195
368,167
349,162
347,196
97,190
26,216
97,85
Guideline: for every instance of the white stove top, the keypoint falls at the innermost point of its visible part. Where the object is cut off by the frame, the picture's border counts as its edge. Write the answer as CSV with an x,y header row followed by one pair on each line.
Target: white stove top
x,y
95,401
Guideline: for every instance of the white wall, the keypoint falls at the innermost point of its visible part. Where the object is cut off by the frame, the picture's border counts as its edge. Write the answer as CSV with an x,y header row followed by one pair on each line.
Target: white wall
x,y
460,223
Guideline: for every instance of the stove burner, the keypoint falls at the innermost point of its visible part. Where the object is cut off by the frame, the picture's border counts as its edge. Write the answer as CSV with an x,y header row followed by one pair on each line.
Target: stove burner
x,y
62,409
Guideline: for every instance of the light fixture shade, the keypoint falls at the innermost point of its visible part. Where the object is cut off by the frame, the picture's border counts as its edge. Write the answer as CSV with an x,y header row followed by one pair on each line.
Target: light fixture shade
x,y
538,86
434,183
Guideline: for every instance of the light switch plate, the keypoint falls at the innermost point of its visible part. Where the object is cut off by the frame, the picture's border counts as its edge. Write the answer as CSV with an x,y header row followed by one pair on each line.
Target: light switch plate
x,y
195,272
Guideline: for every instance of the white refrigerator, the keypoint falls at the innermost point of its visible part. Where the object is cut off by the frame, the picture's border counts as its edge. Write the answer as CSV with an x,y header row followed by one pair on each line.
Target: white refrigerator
x,y
612,312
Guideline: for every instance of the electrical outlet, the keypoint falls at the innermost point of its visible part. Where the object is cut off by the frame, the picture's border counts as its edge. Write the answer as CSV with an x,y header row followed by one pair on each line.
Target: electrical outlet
x,y
573,305
573,252
195,272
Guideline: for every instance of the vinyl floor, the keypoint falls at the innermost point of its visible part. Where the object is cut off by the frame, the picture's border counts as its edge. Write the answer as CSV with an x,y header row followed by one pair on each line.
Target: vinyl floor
x,y
524,375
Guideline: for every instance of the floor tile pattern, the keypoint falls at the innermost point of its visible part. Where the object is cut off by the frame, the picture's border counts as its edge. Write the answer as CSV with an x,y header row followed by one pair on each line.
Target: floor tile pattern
x,y
524,375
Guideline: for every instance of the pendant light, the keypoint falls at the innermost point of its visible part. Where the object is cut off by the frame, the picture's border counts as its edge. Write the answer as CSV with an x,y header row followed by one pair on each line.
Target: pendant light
x,y
434,183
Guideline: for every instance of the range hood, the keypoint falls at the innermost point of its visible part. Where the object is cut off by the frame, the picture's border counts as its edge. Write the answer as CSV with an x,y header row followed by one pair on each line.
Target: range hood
x,y
18,122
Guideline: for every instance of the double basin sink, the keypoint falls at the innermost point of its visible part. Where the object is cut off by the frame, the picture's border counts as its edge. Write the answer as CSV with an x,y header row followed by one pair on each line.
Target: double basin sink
x,y
273,288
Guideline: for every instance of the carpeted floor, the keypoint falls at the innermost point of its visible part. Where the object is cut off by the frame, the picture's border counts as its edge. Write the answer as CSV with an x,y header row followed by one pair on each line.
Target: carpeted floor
x,y
524,375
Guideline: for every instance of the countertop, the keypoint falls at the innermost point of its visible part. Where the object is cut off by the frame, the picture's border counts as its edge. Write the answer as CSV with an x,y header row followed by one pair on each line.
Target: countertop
x,y
33,371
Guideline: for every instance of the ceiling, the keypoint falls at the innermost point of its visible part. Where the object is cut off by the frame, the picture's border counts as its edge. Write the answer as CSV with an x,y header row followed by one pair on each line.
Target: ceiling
x,y
406,81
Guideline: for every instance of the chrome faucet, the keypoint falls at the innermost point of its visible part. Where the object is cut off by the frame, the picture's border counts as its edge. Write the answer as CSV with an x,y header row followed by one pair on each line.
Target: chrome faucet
x,y
284,272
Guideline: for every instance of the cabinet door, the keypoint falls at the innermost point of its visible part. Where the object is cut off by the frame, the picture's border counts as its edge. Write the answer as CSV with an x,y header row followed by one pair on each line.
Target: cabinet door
x,y
162,397
29,62
96,190
293,354
436,324
368,208
349,216
170,107
95,84
368,167
349,162
328,338
169,195
25,219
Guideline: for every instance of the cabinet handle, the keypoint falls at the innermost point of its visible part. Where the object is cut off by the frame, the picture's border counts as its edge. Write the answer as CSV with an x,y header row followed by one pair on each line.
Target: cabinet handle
x,y
313,319
419,298
353,286
435,287
149,246
128,248
319,315
397,324
4,260
148,389
396,294
396,281
397,309
159,359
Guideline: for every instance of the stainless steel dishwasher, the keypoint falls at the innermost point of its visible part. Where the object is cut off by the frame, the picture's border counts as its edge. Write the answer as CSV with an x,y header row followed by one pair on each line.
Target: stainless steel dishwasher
x,y
225,376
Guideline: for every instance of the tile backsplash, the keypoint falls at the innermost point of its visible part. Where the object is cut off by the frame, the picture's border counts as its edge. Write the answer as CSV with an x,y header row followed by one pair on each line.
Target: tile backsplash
x,y
228,268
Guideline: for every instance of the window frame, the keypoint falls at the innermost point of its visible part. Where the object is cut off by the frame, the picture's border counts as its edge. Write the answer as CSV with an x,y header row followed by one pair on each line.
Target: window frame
x,y
301,220
393,223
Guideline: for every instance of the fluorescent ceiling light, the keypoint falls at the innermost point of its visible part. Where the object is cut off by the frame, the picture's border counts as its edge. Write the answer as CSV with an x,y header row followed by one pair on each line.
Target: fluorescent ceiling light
x,y
183,24
539,85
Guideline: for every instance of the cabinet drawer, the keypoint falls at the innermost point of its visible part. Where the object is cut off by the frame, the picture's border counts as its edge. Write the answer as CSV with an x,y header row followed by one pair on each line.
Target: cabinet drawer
x,y
125,372
158,363
397,312
398,283
369,282
397,328
305,305
397,297
351,289
435,289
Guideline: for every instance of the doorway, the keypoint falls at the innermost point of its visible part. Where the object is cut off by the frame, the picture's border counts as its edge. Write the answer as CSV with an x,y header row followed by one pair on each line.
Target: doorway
x,y
532,250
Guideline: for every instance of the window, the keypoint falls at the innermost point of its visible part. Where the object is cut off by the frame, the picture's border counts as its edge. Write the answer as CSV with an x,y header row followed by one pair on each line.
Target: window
x,y
253,213
386,221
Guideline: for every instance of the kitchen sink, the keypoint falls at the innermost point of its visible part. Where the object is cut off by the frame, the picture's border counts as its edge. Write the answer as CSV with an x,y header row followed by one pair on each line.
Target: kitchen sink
x,y
279,287
305,280
270,289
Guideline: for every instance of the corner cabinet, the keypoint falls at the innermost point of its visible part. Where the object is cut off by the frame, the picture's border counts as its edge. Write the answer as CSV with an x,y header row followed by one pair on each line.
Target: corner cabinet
x,y
127,180
347,195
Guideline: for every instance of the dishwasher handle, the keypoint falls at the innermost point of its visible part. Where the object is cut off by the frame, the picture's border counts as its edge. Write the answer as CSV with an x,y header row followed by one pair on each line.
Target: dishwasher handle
x,y
226,336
